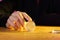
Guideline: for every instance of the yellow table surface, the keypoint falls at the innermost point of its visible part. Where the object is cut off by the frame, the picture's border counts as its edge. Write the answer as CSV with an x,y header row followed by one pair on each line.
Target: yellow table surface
x,y
40,33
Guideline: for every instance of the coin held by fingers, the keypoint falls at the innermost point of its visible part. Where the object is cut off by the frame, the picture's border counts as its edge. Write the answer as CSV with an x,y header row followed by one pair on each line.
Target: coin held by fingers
x,y
29,26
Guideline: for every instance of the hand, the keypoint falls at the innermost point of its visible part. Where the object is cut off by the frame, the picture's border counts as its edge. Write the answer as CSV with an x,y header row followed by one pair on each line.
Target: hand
x,y
17,19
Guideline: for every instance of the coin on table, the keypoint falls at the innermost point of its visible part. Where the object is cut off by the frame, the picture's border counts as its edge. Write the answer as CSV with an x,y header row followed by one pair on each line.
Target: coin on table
x,y
29,26
56,31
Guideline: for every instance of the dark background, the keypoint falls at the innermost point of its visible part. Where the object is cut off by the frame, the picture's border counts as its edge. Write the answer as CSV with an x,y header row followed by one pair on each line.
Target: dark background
x,y
43,12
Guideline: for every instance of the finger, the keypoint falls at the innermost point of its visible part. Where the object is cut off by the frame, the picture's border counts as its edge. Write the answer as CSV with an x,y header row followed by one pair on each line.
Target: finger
x,y
20,14
12,18
11,23
7,25
20,18
27,17
18,24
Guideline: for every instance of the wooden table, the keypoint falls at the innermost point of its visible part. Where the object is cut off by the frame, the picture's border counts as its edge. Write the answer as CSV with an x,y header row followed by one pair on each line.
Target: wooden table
x,y
40,33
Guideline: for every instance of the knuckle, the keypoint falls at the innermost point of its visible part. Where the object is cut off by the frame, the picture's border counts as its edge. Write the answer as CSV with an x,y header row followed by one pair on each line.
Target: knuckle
x,y
24,12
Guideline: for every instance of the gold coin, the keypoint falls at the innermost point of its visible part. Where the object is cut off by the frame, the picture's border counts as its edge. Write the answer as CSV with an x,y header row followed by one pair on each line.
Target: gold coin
x,y
29,26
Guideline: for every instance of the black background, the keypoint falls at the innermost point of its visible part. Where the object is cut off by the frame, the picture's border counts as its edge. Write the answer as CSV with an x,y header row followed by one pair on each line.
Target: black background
x,y
47,12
